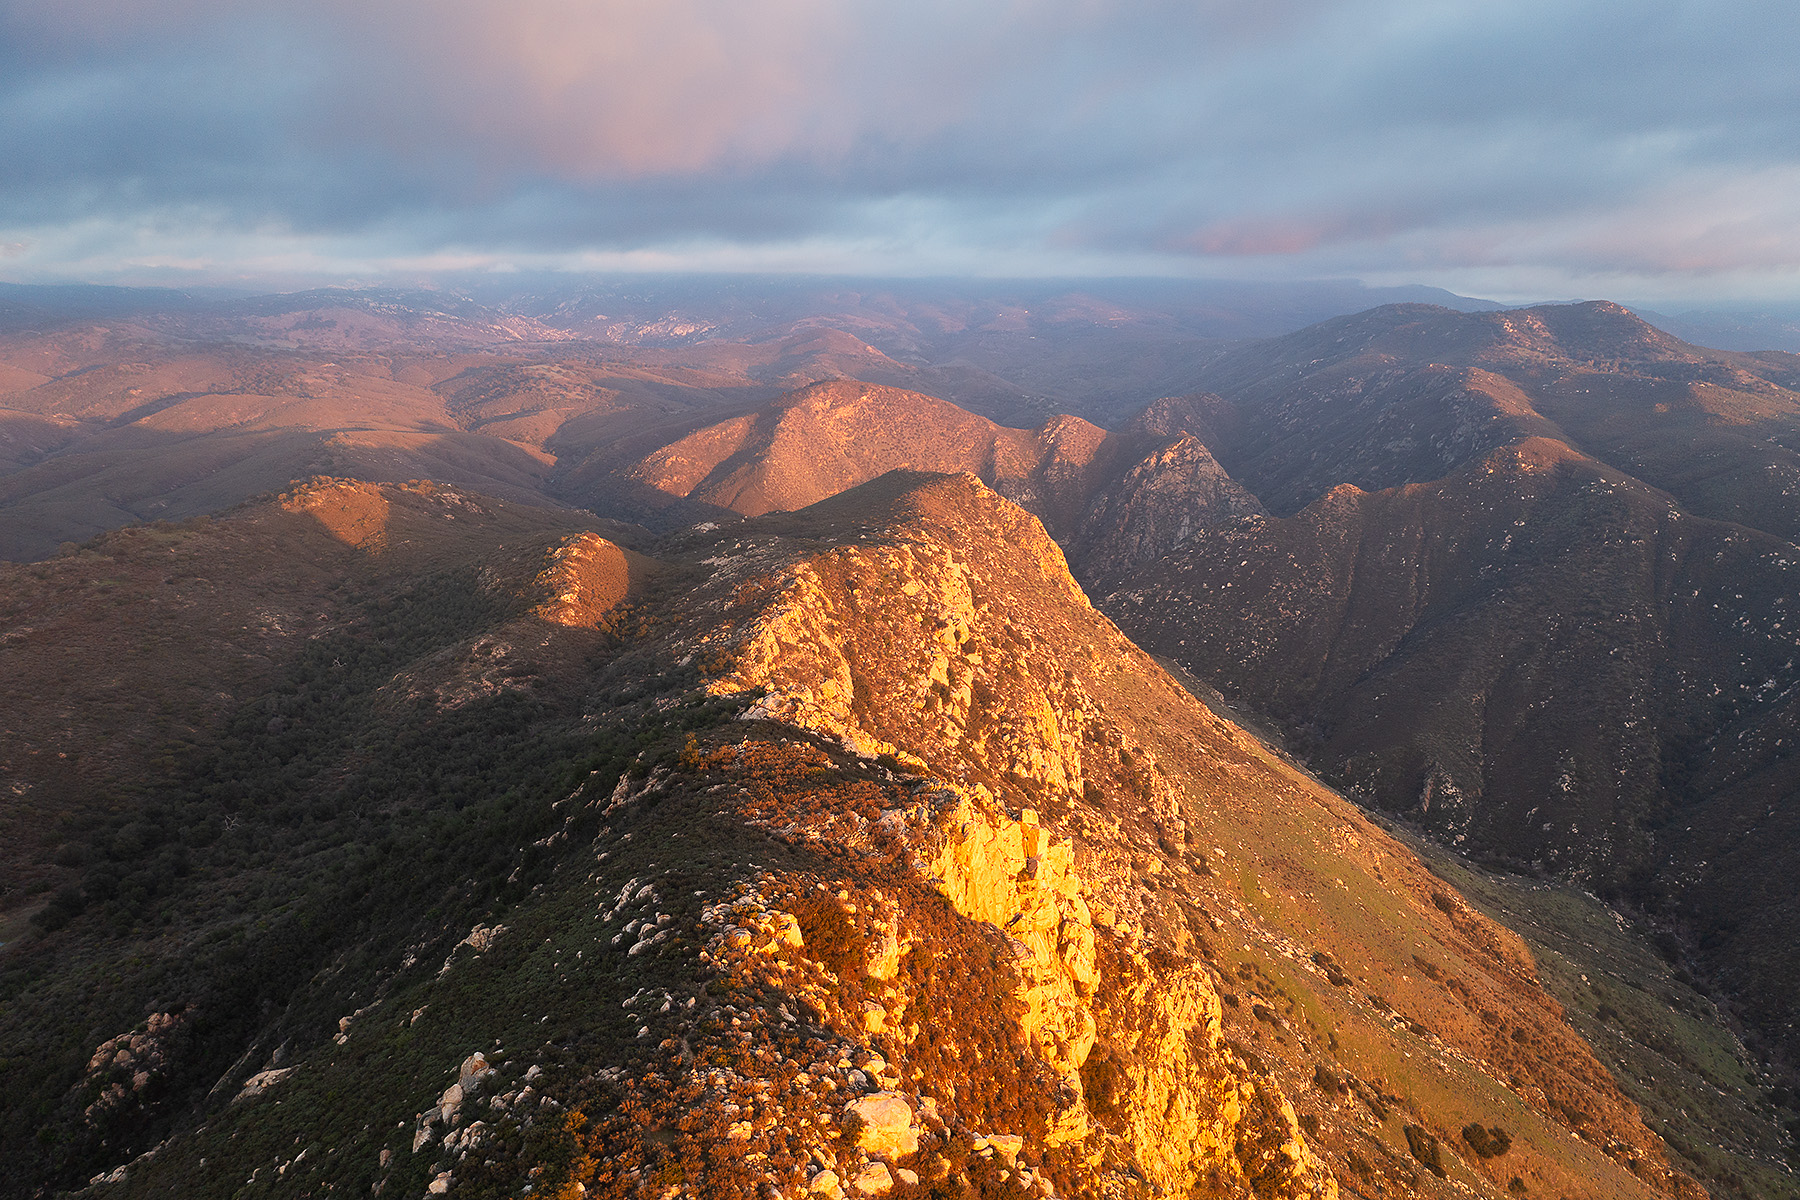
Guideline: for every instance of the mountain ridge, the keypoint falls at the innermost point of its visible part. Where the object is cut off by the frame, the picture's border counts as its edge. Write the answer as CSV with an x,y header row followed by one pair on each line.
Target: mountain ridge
x,y
899,719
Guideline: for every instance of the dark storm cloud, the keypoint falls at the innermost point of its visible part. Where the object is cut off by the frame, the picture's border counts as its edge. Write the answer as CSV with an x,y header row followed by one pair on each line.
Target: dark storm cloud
x,y
1307,135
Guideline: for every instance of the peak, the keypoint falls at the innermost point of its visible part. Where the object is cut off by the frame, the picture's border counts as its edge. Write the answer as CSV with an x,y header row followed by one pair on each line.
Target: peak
x,y
904,495
954,512
1537,454
1194,414
1064,425
1409,309
850,393
818,440
1589,330
324,491
1591,310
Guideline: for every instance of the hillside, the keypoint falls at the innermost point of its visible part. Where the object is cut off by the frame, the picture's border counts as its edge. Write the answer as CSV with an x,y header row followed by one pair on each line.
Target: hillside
x,y
1112,499
1408,393
820,440
824,852
118,429
1520,603
1542,661
131,654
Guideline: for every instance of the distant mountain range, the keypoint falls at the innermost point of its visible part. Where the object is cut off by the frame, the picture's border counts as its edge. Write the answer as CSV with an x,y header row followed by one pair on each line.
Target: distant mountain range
x,y
120,405
1775,328
1522,581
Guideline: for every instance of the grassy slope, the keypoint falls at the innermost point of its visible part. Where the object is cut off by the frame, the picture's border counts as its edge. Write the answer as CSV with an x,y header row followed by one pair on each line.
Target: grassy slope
x,y
1669,1046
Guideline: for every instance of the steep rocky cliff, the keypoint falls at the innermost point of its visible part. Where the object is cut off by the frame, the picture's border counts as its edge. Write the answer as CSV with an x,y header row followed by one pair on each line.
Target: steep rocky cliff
x,y
1173,493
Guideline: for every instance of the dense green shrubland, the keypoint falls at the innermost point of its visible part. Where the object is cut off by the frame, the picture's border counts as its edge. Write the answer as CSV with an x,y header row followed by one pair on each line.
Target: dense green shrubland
x,y
266,886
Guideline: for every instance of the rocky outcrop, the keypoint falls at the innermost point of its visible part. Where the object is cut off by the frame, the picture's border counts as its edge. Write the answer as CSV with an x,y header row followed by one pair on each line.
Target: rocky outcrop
x,y
585,579
122,1070
847,625
973,694
1159,504
1010,874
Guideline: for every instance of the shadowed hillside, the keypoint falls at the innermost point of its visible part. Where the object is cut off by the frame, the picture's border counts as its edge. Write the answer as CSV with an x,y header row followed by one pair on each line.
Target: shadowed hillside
x,y
1533,590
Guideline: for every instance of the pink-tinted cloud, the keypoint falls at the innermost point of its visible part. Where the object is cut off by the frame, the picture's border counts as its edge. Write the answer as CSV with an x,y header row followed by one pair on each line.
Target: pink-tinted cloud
x,y
1258,236
604,89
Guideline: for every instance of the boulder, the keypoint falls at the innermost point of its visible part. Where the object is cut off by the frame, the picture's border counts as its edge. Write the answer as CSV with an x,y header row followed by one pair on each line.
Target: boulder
x,y
474,1069
873,1180
887,1129
260,1082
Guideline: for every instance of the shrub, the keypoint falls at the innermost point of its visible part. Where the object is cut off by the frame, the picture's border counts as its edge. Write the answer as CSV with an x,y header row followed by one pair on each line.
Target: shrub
x,y
1425,1148
1490,1142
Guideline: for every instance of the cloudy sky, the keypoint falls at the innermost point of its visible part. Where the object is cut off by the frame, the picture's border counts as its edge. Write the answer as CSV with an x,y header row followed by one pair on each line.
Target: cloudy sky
x,y
1517,149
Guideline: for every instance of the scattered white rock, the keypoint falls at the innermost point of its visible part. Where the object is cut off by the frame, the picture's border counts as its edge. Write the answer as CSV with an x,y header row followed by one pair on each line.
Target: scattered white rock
x,y
261,1082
